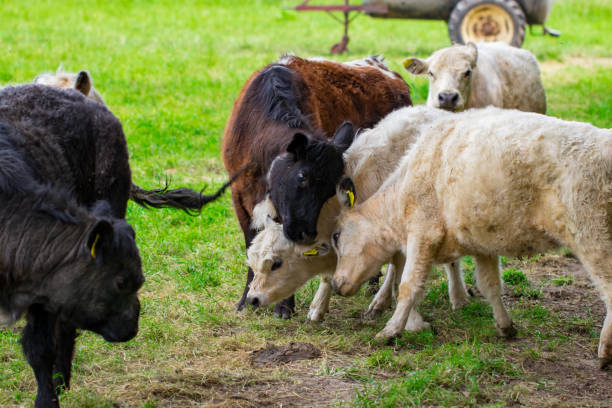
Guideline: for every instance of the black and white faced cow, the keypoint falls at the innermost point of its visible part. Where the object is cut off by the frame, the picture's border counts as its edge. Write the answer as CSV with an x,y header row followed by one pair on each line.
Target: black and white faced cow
x,y
305,177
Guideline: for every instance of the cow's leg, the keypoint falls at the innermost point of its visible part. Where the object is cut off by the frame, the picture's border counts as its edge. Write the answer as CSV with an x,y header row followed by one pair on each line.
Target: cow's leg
x,y
250,275
597,260
38,346
411,288
489,284
384,297
65,335
320,303
456,286
244,219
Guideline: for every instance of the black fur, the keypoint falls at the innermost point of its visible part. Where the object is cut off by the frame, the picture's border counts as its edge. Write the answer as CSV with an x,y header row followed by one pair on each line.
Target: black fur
x,y
64,180
184,199
276,91
305,176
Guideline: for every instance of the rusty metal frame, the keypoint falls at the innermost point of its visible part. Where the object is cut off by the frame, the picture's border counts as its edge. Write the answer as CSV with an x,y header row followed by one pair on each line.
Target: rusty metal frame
x,y
346,9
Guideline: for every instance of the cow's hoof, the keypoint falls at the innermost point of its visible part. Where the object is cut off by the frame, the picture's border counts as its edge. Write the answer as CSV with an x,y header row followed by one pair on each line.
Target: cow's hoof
x,y
507,332
240,306
283,311
605,363
385,337
372,314
459,302
316,315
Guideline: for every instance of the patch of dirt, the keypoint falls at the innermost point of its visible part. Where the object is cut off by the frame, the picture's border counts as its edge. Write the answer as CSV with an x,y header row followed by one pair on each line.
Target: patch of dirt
x,y
301,390
284,354
296,385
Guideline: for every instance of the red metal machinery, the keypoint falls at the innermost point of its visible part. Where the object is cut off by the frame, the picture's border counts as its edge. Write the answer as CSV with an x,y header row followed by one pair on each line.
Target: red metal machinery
x,y
468,20
346,9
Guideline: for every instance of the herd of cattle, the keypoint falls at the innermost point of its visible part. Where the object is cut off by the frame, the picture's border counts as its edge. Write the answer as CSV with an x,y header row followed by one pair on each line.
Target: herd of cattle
x,y
333,173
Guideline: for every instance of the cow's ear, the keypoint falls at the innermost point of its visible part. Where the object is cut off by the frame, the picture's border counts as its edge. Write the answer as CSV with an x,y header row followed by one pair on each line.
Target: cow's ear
x,y
298,145
344,136
83,83
346,192
416,66
473,52
99,236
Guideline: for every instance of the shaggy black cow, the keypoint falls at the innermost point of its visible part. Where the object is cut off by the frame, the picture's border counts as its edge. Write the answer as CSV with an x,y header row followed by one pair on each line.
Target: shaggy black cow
x,y
68,259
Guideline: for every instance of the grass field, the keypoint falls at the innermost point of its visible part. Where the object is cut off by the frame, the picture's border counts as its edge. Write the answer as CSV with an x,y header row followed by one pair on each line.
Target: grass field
x,y
170,70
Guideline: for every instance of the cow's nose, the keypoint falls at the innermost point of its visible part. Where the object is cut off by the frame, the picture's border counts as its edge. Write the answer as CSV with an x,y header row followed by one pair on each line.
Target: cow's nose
x,y
254,301
448,100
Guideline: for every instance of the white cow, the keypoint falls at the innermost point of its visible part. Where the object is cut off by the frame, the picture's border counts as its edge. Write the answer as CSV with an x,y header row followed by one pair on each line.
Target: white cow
x,y
281,266
82,82
475,76
486,183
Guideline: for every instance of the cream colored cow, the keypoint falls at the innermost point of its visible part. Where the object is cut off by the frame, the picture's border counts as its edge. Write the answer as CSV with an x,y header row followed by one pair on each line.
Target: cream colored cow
x,y
476,76
486,183
82,82
282,266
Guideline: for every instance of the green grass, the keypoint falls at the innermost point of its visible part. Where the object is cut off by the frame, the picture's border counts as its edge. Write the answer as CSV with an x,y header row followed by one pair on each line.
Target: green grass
x,y
170,70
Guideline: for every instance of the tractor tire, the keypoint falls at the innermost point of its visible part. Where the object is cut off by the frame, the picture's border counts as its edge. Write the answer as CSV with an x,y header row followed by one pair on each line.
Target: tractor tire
x,y
487,20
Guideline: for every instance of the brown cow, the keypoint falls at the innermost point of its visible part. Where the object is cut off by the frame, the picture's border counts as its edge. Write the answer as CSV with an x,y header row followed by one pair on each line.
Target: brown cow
x,y
305,99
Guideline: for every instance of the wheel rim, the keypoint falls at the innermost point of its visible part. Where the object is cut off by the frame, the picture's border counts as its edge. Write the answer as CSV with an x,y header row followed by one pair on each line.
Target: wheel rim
x,y
487,22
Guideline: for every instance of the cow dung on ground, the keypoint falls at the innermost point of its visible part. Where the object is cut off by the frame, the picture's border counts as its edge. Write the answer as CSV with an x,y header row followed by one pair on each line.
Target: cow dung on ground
x,y
273,354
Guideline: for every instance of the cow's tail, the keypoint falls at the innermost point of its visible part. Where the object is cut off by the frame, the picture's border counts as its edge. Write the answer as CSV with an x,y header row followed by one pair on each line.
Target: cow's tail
x,y
183,198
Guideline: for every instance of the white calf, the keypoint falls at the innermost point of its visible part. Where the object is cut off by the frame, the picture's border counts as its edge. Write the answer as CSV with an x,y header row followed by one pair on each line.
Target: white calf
x,y
470,76
486,183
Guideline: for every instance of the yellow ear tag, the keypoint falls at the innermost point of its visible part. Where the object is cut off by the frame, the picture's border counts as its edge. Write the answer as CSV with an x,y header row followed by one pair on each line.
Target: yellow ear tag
x,y
312,252
407,62
351,198
93,247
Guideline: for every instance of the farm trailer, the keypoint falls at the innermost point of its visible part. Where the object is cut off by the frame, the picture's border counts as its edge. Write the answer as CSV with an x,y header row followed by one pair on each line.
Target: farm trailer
x,y
468,20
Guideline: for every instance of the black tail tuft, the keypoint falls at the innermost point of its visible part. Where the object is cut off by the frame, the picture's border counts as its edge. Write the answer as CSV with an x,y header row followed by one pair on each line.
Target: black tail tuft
x,y
184,199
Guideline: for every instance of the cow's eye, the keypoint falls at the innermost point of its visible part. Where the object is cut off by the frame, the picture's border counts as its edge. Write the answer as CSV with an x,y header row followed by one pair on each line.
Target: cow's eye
x,y
120,283
335,238
302,178
468,73
277,264
431,74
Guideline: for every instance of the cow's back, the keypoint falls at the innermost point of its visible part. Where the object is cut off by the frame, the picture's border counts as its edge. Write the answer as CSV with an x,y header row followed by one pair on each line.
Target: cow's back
x,y
72,142
498,172
519,75
362,95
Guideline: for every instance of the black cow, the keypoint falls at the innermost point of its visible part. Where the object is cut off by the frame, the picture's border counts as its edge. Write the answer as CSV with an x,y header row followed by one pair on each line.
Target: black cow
x,y
67,257
306,176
